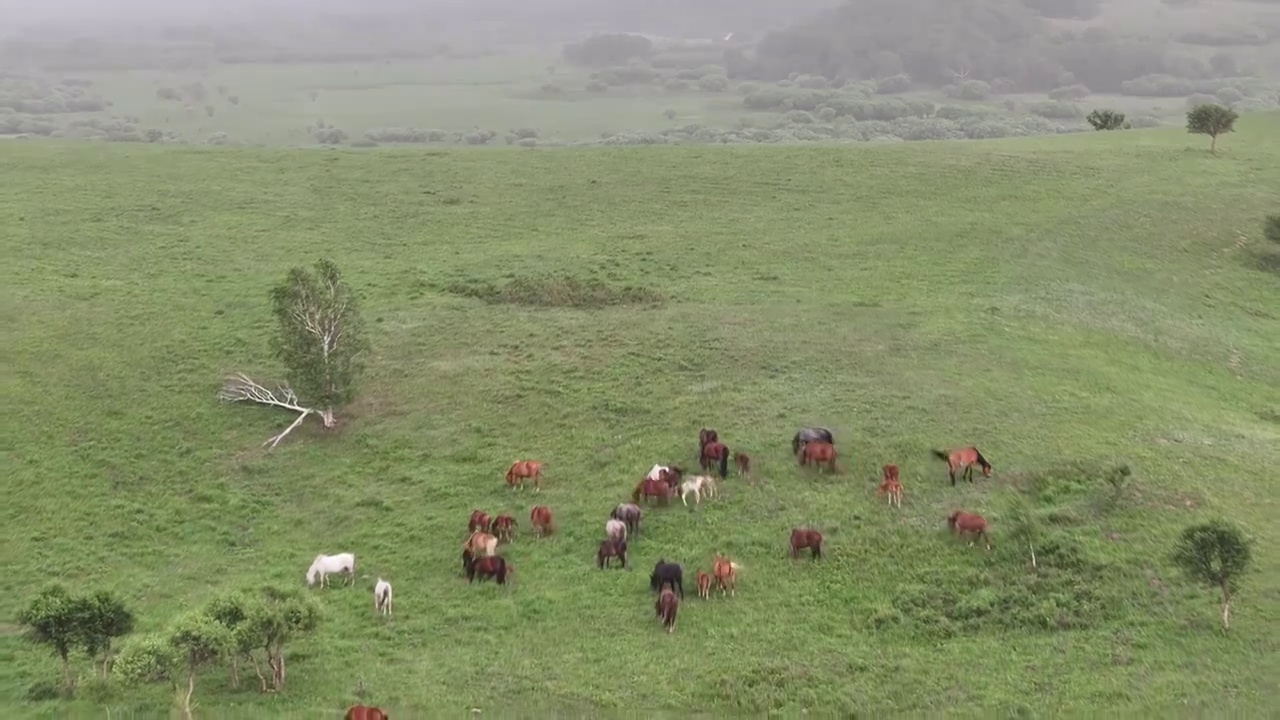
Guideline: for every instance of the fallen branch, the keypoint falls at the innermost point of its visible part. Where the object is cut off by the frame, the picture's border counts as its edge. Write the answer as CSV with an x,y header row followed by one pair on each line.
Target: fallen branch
x,y
239,388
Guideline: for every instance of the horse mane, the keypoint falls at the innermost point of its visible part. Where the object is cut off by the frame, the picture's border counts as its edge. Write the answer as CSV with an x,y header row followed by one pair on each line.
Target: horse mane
x,y
981,460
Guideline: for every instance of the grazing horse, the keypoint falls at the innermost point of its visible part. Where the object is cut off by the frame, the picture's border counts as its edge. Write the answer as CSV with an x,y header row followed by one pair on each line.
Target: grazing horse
x,y
482,544
494,566
965,523
695,485
962,461
892,485
365,712
810,434
818,453
706,435
324,565
522,470
480,520
666,608
743,463
610,549
652,488
615,529
629,513
713,452
665,573
704,585
801,539
726,572
382,597
540,518
504,527
467,557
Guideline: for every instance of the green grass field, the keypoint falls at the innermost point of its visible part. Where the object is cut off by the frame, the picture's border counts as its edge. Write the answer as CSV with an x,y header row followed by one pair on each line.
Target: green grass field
x,y
1068,304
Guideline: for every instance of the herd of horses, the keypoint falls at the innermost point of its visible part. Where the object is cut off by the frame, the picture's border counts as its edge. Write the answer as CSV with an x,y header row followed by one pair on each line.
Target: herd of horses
x,y
811,446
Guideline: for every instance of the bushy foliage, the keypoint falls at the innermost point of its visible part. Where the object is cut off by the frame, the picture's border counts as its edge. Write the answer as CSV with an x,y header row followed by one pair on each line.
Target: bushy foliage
x,y
330,136
1212,120
608,49
713,83
405,135
479,137
1056,110
894,84
1215,553
1069,92
1106,119
1271,228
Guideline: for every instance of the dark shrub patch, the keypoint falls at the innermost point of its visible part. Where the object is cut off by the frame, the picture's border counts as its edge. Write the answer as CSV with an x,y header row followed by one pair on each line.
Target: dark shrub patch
x,y
557,291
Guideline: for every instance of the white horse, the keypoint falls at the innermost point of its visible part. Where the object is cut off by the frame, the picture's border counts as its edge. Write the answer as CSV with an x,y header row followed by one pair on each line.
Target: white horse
x,y
323,565
695,485
616,530
382,597
656,472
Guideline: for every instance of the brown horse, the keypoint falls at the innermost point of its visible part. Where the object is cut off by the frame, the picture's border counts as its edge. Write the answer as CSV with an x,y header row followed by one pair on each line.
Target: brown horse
x,y
743,463
706,435
540,519
726,573
962,461
818,453
892,485
801,539
704,585
504,527
965,523
609,549
630,514
666,608
522,470
481,544
479,521
489,567
715,452
365,712
653,488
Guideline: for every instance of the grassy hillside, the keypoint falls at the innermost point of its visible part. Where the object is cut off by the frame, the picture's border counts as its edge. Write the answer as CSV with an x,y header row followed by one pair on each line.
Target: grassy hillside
x,y
1070,305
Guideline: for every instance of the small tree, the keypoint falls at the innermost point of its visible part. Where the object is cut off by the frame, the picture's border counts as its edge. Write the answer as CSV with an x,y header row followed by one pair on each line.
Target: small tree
x,y
55,618
1106,119
1271,228
176,656
1216,553
231,611
320,342
105,618
274,617
1212,120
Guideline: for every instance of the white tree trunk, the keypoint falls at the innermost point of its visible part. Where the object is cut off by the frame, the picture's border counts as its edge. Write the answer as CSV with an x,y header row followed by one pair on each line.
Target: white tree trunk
x,y
1033,555
240,388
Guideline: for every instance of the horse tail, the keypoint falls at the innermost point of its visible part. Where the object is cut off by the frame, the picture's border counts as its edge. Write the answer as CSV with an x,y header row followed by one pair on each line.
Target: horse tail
x,y
941,455
724,463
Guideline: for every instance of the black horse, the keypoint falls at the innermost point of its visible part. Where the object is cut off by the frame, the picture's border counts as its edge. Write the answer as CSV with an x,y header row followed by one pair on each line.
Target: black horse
x,y
630,514
665,573
808,435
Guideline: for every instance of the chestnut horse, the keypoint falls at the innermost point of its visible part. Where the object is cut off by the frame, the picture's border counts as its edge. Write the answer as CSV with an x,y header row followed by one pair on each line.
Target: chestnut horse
x,y
704,585
713,452
726,573
504,527
964,523
488,567
706,435
481,543
818,453
892,485
801,539
479,521
962,461
810,434
743,462
365,712
630,514
540,518
652,488
666,608
522,470
610,549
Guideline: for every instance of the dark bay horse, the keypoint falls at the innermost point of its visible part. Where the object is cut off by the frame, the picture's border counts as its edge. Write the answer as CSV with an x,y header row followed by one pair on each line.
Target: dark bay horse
x,y
962,461
965,523
629,513
706,435
818,453
810,434
713,452
494,566
609,549
801,539
665,573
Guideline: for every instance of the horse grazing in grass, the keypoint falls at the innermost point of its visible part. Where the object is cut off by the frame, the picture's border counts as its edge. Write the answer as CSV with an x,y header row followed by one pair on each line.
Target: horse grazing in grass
x,y
743,463
801,539
615,529
704,585
652,489
610,549
481,544
540,519
480,520
696,485
712,453
891,485
962,461
325,565
494,567
811,434
504,527
818,453
965,523
665,573
382,597
522,470
630,514
365,712
726,572
706,435
667,606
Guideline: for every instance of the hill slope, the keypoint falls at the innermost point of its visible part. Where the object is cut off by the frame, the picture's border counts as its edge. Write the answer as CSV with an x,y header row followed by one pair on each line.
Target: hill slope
x,y
1068,304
